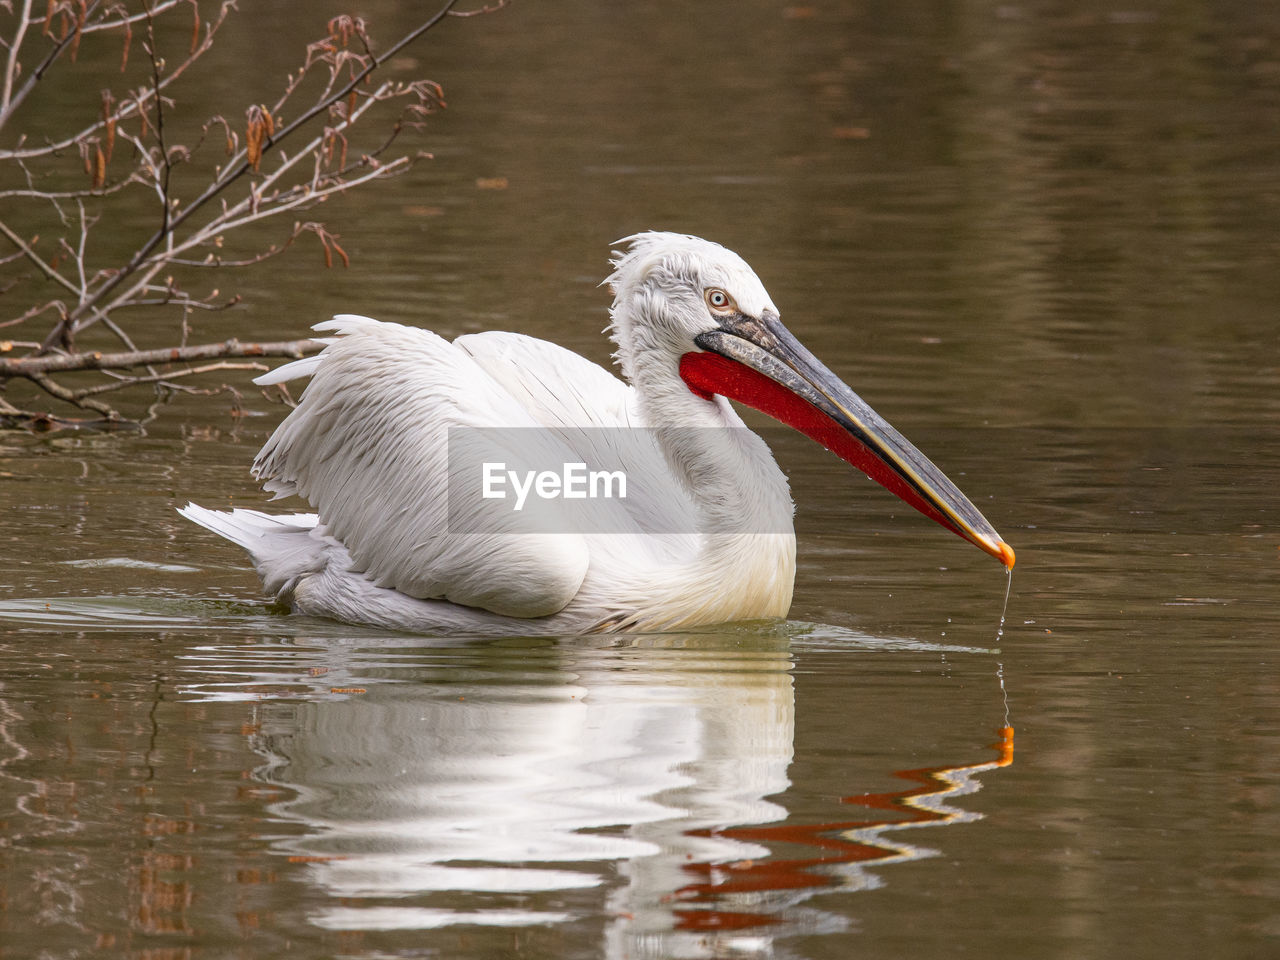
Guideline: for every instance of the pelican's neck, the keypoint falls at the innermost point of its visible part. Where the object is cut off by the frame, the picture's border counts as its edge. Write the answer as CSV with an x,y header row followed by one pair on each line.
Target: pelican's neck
x,y
727,470
744,566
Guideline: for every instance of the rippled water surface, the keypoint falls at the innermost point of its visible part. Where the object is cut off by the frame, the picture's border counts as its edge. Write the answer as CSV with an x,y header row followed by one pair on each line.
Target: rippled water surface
x,y
1039,238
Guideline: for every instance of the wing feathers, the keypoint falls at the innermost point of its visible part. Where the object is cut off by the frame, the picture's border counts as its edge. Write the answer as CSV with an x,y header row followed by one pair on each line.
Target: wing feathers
x,y
368,447
557,387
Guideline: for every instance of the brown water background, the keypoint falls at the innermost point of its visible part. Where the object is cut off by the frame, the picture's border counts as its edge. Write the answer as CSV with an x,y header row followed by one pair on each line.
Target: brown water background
x,y
1040,238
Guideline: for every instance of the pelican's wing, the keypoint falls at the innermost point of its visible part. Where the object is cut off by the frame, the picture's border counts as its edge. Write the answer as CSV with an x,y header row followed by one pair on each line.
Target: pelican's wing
x,y
556,386
368,446
596,415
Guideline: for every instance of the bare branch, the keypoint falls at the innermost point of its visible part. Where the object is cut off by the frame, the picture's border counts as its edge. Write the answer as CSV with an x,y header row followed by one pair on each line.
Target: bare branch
x,y
35,258
129,108
153,10
198,201
11,64
82,314
53,388
104,191
488,8
12,100
31,367
165,378
33,312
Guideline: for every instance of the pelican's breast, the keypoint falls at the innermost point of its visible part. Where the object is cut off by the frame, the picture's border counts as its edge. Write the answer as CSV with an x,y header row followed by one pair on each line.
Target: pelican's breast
x,y
745,576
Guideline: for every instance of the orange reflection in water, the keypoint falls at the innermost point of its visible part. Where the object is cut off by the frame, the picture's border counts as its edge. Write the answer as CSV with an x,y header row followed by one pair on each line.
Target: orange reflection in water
x,y
919,805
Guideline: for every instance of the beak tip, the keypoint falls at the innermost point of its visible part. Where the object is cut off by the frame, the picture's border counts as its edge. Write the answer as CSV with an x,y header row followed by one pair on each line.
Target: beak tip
x,y
997,548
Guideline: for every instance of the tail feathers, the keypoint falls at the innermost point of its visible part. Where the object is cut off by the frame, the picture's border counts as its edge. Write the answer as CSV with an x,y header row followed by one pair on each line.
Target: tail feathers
x,y
247,528
281,546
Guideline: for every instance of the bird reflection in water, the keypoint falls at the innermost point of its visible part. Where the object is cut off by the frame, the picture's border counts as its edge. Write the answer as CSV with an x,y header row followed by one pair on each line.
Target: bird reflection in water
x,y
645,781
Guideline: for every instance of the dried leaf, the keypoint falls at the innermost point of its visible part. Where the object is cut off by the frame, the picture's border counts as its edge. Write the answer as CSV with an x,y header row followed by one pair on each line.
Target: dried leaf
x,y
128,42
82,14
107,103
99,167
334,148
259,131
344,27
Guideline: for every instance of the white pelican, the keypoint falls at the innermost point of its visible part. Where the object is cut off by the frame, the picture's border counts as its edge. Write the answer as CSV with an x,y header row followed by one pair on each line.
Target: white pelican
x,y
709,538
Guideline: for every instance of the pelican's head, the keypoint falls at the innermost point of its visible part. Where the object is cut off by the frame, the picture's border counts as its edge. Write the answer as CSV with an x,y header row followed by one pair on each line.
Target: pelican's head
x,y
668,289
685,303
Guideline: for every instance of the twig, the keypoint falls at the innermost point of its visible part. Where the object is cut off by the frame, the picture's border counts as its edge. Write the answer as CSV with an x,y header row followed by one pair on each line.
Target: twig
x,y
239,170
36,259
11,66
52,387
29,367
164,378
13,100
128,108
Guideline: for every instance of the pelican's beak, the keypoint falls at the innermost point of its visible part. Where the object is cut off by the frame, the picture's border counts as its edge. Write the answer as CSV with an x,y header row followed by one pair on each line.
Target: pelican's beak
x,y
758,362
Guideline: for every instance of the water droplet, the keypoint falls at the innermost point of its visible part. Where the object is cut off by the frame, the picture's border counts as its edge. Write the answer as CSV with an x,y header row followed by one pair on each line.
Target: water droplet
x,y
1008,589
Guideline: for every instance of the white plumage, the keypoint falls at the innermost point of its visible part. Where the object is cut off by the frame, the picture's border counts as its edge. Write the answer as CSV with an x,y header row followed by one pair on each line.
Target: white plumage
x,y
708,517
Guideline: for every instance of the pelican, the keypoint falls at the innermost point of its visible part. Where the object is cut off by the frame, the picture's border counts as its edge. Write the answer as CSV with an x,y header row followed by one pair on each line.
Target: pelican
x,y
703,536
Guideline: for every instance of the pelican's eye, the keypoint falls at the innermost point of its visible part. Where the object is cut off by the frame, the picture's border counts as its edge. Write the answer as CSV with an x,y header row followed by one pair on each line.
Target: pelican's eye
x,y
720,302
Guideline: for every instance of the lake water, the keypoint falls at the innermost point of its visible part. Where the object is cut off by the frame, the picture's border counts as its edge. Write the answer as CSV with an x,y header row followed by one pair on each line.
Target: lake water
x,y
1040,238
